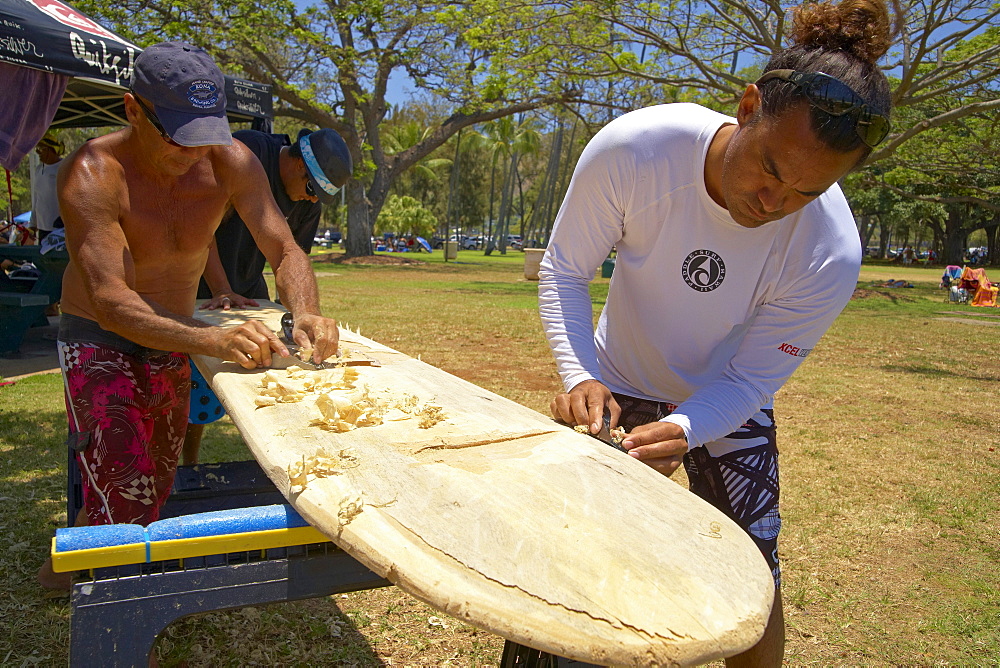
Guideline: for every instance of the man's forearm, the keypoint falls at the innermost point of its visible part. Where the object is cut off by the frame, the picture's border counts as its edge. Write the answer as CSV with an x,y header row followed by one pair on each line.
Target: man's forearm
x,y
150,324
296,283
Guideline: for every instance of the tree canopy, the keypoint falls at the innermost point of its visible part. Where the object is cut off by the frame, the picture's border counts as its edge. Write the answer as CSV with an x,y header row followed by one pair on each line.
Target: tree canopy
x,y
481,60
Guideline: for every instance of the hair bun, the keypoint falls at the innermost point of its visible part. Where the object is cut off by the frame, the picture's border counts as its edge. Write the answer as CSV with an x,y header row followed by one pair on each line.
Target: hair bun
x,y
859,27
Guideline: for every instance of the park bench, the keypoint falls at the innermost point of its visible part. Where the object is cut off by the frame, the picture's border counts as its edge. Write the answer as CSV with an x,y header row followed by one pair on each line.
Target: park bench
x,y
18,311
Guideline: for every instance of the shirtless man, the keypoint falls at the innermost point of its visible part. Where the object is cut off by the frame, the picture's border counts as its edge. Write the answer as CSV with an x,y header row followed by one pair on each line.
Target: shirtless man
x,y
141,207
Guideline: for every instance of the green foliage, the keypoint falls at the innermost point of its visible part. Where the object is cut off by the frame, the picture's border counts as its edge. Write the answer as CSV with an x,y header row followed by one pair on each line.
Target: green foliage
x,y
477,61
404,216
20,180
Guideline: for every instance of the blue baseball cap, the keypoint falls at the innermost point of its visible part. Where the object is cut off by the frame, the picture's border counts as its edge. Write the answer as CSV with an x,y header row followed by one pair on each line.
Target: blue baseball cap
x,y
187,91
328,162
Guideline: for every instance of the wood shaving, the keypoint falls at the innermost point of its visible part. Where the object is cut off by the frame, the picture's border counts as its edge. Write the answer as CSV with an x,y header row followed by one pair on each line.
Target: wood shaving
x,y
349,509
367,408
581,429
347,356
430,415
319,465
342,407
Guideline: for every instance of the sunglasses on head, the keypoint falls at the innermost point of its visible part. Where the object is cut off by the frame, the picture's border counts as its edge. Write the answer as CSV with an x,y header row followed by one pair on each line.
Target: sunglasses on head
x,y
832,96
154,121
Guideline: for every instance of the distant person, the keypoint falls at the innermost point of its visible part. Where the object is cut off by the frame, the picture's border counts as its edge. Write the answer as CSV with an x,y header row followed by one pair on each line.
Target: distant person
x,y
141,206
302,177
44,201
736,250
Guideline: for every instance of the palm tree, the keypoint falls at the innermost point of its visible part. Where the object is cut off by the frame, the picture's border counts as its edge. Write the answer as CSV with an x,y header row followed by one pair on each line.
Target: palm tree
x,y
509,139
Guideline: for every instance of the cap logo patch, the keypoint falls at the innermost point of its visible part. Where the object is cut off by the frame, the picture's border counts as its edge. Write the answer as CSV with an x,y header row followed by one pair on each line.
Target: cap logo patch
x,y
203,94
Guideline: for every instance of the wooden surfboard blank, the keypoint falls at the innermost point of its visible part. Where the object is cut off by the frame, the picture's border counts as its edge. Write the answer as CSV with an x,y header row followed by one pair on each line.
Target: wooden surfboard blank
x,y
511,522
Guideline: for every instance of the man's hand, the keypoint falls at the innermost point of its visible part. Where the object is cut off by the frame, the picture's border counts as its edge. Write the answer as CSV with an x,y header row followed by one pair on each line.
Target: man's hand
x,y
250,344
228,300
585,404
660,445
319,333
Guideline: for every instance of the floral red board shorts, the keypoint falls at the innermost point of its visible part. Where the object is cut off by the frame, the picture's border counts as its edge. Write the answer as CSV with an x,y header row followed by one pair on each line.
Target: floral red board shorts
x,y
127,419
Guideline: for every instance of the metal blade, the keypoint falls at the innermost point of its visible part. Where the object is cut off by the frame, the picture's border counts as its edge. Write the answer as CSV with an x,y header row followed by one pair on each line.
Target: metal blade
x,y
355,358
604,435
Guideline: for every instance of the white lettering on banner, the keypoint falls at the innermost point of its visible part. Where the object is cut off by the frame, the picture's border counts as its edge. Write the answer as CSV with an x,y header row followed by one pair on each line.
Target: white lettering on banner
x,y
253,108
105,61
19,46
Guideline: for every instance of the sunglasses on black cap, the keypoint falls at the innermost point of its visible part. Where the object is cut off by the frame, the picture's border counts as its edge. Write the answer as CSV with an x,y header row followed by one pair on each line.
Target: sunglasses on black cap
x,y
154,121
832,96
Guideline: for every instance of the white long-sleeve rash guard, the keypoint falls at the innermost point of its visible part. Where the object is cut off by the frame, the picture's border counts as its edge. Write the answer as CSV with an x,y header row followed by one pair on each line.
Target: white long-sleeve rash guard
x,y
701,312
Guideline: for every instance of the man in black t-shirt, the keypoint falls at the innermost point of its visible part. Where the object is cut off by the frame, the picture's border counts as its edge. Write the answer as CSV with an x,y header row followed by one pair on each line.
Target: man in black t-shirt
x,y
303,176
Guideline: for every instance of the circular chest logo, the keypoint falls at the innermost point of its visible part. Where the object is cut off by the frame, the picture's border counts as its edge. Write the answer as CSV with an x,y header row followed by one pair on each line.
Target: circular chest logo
x,y
703,270
203,94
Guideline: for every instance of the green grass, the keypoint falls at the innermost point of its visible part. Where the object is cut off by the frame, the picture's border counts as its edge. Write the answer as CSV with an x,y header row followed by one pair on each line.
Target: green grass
x,y
890,478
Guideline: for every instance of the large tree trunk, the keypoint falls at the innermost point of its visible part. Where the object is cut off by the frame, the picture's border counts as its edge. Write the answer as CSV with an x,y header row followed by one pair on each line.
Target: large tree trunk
x,y
359,227
954,237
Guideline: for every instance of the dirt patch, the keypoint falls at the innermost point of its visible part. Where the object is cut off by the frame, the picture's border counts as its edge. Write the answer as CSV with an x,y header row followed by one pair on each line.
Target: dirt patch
x,y
341,258
867,293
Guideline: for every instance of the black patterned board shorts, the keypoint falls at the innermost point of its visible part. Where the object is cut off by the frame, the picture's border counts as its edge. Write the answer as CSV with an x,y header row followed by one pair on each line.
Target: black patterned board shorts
x,y
742,484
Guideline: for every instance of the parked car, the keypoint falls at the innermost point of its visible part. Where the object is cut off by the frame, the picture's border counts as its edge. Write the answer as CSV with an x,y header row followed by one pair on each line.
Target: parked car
x,y
464,242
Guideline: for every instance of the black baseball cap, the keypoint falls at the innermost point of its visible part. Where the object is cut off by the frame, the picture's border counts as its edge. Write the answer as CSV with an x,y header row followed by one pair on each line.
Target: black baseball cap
x,y
187,91
328,162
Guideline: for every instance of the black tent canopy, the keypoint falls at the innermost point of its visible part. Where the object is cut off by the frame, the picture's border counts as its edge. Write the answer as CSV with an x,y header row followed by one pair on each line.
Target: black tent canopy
x,y
94,103
61,44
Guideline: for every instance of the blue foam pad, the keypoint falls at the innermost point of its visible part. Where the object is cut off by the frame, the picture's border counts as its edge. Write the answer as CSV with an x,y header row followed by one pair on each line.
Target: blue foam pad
x,y
221,522
216,523
109,535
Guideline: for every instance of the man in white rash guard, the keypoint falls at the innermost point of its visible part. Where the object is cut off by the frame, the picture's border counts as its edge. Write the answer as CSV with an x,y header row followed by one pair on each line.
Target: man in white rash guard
x,y
736,250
